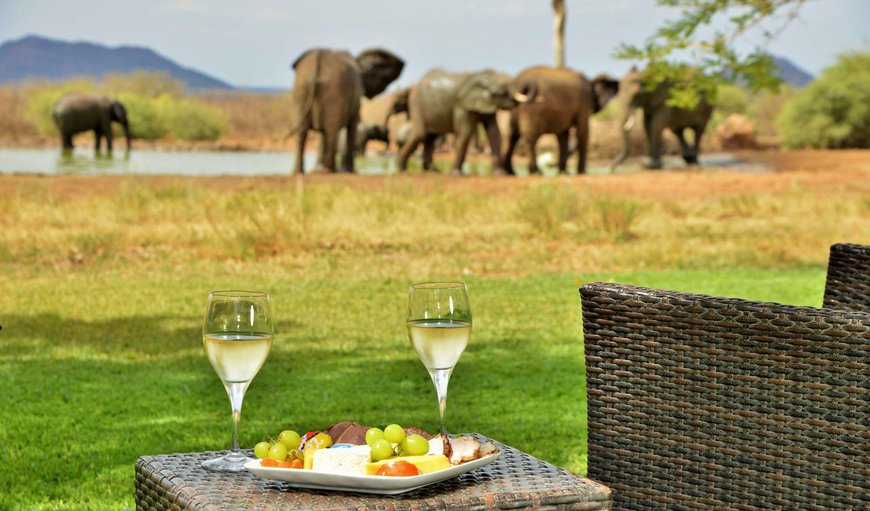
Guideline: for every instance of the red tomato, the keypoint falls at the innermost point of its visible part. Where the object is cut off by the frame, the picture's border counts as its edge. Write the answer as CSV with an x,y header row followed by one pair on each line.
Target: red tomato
x,y
398,468
296,463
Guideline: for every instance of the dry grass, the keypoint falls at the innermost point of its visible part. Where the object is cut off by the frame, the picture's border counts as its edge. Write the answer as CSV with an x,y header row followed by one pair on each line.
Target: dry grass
x,y
674,220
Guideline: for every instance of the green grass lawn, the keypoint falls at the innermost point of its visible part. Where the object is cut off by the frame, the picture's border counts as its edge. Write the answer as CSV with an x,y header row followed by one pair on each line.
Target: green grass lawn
x,y
100,367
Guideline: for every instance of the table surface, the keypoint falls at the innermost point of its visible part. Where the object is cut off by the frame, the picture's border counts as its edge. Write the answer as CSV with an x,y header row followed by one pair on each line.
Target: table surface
x,y
515,480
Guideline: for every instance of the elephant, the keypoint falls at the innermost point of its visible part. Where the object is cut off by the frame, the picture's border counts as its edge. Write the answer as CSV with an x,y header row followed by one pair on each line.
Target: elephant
x,y
658,115
554,100
445,102
76,113
326,97
375,114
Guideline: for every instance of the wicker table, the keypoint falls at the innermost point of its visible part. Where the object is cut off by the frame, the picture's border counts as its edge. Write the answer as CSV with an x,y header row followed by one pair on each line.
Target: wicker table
x,y
516,480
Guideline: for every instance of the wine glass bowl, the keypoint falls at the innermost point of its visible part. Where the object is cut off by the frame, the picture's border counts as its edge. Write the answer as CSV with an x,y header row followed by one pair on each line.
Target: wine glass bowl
x,y
237,336
439,326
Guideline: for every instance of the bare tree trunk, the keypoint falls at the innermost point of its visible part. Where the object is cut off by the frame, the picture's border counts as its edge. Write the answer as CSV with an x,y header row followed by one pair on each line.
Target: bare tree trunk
x,y
559,32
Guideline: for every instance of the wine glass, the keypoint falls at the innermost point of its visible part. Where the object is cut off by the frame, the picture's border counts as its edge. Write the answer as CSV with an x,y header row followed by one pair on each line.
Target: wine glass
x,y
237,336
439,325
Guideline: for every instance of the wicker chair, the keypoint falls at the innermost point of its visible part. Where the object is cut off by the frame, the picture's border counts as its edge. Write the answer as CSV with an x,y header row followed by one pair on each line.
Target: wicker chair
x,y
848,284
701,402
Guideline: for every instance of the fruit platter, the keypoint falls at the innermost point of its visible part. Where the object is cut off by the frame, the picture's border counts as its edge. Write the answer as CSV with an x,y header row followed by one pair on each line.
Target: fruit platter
x,y
351,457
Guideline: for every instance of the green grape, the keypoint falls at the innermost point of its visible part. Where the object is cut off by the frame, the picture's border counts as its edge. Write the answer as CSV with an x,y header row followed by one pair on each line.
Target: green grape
x,y
278,452
290,439
373,435
415,445
381,450
394,433
261,450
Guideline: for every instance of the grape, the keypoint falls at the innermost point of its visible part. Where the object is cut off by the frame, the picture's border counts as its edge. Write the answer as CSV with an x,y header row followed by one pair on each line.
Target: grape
x,y
261,450
290,439
373,435
381,450
394,433
278,452
415,445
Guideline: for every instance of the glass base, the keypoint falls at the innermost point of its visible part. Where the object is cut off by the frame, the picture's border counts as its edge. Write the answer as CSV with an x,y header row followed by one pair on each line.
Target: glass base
x,y
232,462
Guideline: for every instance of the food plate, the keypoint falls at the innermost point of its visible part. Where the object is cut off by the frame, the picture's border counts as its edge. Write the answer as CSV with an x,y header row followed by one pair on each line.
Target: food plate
x,y
385,485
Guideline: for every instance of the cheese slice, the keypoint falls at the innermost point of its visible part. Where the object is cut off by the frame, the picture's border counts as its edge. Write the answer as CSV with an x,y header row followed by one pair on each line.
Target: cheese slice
x,y
425,463
348,460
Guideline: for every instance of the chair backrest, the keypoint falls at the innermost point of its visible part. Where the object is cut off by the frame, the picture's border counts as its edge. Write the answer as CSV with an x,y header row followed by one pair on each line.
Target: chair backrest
x,y
700,402
848,283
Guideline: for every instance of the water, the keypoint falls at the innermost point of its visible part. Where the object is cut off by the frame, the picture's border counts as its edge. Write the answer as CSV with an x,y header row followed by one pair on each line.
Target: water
x,y
184,163
211,163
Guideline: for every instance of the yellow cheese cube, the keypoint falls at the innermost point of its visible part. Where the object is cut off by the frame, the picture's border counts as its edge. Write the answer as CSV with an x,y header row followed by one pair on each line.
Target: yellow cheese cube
x,y
425,463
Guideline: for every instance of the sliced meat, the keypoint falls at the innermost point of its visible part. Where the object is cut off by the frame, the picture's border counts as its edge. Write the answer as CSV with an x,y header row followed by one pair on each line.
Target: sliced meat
x,y
352,433
411,430
439,445
487,449
355,434
463,448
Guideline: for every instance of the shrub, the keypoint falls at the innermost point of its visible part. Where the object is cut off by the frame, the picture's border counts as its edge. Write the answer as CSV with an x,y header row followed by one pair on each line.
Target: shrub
x,y
144,83
834,110
192,120
766,107
144,113
42,99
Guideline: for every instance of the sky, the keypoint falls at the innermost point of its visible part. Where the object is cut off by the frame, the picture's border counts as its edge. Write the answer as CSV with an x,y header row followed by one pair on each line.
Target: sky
x,y
252,43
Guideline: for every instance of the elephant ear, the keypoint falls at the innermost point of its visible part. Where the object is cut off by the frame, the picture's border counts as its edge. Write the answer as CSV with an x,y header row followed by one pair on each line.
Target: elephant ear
x,y
604,88
477,93
378,68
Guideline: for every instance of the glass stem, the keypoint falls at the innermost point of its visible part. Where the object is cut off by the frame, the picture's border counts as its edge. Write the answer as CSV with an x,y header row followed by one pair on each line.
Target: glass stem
x,y
441,377
236,391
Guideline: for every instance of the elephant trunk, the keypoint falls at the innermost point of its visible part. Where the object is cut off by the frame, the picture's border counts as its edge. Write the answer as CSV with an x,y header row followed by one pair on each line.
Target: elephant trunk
x,y
127,134
625,124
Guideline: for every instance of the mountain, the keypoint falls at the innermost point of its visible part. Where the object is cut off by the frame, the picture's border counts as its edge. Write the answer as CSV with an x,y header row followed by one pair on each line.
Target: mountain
x,y
35,57
789,73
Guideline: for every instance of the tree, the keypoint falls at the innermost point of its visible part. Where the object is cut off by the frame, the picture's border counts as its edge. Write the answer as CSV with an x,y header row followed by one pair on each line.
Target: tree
x,y
559,32
713,57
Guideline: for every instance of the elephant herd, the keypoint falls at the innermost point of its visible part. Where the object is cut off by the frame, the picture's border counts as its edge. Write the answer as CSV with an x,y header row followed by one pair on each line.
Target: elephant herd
x,y
330,87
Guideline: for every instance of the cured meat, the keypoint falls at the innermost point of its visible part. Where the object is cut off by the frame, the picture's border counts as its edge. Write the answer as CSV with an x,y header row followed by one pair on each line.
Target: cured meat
x,y
411,430
352,433
439,445
487,449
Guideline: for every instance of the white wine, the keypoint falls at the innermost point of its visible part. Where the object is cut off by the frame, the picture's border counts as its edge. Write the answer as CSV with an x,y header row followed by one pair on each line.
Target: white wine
x,y
439,342
236,358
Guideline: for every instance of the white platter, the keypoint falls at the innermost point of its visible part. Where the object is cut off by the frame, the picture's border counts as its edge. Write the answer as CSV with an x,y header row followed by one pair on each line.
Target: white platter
x,y
385,485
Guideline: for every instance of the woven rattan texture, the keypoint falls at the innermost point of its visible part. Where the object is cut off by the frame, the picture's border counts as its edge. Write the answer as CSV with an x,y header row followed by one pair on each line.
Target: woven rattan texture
x,y
514,481
698,402
848,284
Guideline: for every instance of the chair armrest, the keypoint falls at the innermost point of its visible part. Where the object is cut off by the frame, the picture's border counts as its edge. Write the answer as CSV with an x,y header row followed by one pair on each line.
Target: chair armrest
x,y
848,282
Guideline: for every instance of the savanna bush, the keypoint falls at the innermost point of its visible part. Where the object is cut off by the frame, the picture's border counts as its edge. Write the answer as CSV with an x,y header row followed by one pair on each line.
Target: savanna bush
x,y
834,110
42,98
191,120
144,113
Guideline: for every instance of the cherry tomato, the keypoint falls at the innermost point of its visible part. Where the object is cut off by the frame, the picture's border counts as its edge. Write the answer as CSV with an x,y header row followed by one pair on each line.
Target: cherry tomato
x,y
398,468
296,463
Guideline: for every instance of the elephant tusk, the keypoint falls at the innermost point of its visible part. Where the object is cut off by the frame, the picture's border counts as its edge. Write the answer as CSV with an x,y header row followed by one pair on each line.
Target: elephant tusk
x,y
520,97
629,123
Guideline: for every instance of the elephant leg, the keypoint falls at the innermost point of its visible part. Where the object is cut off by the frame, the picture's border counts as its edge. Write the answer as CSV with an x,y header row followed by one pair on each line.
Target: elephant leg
x,y
66,141
695,149
349,147
300,150
414,139
494,136
507,160
654,136
463,138
685,150
582,144
108,134
330,137
428,150
98,135
531,140
562,139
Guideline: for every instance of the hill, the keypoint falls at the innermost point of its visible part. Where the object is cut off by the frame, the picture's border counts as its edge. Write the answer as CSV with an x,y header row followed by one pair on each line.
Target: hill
x,y
35,57
790,73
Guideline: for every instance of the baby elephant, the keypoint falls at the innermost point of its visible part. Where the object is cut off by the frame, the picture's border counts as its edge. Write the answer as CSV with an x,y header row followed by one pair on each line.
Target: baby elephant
x,y
76,113
444,102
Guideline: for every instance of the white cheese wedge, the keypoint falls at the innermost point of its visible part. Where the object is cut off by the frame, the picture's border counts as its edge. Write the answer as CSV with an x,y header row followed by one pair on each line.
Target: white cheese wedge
x,y
346,460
